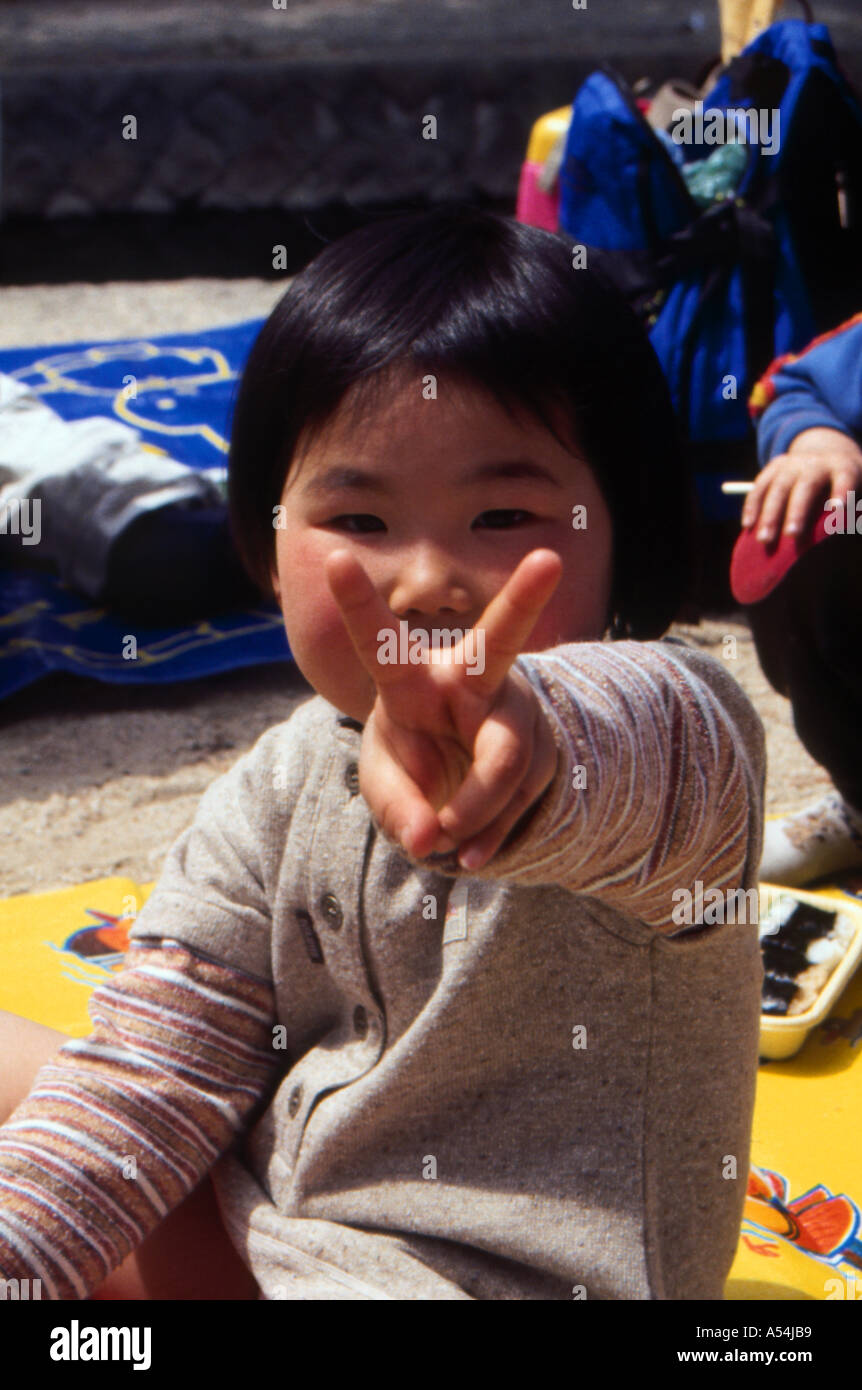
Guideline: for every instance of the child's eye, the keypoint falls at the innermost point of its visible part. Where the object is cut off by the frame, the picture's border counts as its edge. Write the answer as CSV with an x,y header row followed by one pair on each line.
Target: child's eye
x,y
357,522
498,520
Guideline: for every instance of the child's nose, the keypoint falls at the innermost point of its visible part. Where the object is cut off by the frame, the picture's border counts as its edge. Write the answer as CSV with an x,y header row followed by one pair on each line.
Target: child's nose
x,y
429,581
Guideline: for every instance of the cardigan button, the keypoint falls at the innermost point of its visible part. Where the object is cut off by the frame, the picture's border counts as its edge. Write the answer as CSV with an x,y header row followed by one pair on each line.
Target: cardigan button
x,y
360,1021
351,778
331,908
293,1103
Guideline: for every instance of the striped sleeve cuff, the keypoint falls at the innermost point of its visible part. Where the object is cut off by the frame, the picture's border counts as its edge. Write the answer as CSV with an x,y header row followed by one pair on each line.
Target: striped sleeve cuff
x,y
123,1124
651,791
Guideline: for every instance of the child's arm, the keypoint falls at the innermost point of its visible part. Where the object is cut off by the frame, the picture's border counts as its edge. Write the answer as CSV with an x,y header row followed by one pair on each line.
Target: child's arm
x,y
819,388
808,409
659,782
123,1124
653,783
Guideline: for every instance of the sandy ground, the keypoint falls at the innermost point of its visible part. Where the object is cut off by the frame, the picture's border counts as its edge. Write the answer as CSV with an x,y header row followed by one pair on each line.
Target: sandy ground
x,y
99,780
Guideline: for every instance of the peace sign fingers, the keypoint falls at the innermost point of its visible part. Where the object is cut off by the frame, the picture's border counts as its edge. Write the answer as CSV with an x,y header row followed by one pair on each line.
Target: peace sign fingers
x,y
512,614
429,741
505,625
363,611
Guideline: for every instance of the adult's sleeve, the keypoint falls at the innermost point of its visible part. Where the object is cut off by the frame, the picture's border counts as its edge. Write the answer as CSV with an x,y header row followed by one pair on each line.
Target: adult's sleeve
x,y
659,780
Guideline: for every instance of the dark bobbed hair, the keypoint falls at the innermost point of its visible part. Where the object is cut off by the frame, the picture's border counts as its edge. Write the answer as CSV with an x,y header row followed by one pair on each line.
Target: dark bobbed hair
x,y
470,295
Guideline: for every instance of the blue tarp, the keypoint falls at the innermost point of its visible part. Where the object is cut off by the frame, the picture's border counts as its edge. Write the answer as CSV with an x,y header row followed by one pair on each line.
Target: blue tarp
x,y
180,400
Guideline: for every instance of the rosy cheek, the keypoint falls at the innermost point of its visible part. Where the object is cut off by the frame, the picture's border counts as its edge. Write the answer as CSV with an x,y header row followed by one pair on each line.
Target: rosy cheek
x,y
311,612
316,615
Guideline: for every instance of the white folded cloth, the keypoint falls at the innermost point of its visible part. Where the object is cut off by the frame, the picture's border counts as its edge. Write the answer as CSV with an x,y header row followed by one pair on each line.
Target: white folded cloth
x,y
69,488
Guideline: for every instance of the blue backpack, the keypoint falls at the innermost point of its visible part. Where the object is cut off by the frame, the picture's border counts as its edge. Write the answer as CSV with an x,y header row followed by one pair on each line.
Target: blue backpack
x,y
726,288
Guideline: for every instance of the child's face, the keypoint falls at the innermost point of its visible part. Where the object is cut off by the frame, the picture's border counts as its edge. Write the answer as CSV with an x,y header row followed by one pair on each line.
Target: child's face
x,y
439,500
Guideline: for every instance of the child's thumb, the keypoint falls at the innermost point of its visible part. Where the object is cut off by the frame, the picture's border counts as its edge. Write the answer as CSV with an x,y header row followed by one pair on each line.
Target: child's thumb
x,y
397,804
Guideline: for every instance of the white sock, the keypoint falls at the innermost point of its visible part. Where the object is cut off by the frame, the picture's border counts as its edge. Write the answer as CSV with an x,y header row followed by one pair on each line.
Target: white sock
x,y
821,839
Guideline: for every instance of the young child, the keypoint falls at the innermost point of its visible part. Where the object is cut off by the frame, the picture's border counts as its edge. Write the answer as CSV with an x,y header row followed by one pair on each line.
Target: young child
x,y
414,985
808,629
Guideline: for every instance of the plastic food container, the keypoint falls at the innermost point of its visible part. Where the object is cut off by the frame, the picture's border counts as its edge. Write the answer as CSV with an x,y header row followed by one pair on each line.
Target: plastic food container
x,y
783,1035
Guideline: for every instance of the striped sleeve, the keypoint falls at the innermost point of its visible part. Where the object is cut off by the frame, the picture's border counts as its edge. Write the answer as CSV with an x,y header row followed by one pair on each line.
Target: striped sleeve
x,y
659,782
123,1124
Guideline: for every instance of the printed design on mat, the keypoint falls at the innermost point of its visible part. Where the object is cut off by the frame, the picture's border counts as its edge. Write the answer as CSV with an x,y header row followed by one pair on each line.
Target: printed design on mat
x,y
91,953
153,380
823,1225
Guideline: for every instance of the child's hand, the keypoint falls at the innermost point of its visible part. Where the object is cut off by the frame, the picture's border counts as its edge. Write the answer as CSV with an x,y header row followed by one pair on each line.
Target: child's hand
x,y
820,463
444,735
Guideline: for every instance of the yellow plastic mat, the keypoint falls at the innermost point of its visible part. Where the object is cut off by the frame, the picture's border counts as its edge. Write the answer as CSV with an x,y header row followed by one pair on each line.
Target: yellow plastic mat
x,y
800,1237
56,947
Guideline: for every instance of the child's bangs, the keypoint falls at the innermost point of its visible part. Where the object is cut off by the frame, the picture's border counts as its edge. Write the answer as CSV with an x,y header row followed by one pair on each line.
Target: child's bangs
x,y
464,296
